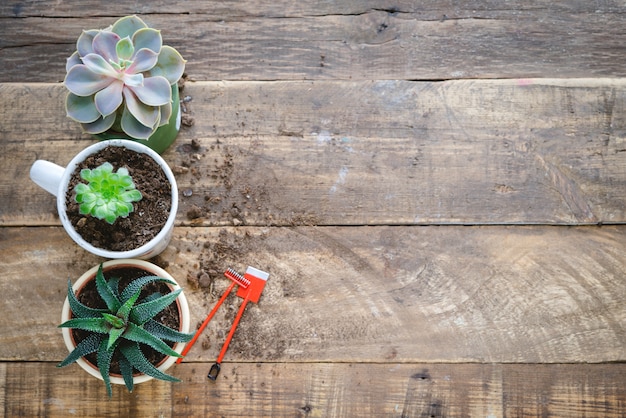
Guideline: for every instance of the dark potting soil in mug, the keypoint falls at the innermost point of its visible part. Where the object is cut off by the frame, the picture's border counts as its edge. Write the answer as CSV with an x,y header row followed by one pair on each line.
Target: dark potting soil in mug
x,y
150,213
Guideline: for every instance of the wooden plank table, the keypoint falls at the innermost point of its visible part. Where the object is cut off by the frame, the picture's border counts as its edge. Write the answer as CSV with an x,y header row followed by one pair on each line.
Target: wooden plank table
x,y
437,188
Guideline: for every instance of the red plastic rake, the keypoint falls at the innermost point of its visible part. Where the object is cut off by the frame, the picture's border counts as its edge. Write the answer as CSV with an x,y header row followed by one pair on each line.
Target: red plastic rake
x,y
251,286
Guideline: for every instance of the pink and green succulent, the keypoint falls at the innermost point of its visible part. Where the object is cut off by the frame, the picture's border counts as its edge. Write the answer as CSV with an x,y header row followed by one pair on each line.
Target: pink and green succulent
x,y
121,78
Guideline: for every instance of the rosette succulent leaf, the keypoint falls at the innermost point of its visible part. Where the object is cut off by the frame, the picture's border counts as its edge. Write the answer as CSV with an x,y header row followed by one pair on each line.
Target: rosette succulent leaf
x,y
121,78
107,195
122,330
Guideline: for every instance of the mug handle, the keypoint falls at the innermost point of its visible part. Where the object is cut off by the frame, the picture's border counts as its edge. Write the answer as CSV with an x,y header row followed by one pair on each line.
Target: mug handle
x,y
47,175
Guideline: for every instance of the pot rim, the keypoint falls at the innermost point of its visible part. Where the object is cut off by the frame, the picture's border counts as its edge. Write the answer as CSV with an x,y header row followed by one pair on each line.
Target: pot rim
x,y
183,309
149,249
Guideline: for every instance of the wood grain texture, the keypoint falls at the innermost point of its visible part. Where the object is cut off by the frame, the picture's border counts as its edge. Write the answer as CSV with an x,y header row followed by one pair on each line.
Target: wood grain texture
x,y
262,40
427,9
344,147
366,294
354,153
320,390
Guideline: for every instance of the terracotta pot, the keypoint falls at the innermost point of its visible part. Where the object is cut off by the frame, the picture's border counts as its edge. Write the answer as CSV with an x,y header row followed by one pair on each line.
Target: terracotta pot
x,y
151,269
54,179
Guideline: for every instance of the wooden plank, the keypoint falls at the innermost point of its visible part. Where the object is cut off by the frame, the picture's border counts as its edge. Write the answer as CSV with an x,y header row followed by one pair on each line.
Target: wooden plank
x,y
331,389
294,153
426,9
358,41
3,384
411,294
532,390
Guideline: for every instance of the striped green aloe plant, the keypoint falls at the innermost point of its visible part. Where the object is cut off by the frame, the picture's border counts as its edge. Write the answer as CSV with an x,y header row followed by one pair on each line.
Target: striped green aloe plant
x,y
119,331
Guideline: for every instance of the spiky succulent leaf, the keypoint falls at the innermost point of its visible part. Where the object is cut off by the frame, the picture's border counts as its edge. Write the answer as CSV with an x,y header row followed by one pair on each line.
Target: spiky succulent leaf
x,y
127,372
114,285
165,333
108,64
114,335
99,325
152,297
143,312
105,354
113,320
87,346
134,355
139,335
139,283
106,293
80,310
124,311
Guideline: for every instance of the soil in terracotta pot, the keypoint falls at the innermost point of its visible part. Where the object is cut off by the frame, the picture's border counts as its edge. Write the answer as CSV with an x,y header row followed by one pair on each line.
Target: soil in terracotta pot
x,y
169,316
150,213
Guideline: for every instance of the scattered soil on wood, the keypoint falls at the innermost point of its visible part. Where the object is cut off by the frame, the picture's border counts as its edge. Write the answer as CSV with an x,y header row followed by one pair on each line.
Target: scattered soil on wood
x,y
187,120
217,256
233,188
169,316
233,248
219,175
149,215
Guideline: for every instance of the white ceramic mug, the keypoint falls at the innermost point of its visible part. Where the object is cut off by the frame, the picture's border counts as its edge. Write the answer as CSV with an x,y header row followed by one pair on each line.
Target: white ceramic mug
x,y
54,179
